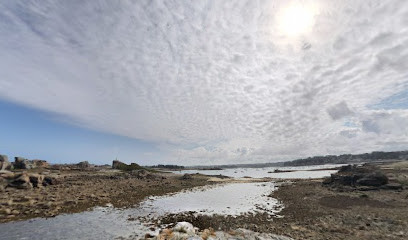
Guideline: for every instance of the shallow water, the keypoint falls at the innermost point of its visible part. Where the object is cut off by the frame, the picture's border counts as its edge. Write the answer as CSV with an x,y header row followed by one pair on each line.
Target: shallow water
x,y
108,222
228,199
100,223
299,172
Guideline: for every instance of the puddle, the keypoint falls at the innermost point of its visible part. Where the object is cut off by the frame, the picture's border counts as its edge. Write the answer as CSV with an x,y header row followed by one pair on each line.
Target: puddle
x,y
230,199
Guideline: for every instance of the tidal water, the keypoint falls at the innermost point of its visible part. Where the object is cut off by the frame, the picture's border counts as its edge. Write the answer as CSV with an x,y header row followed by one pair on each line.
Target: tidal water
x,y
303,172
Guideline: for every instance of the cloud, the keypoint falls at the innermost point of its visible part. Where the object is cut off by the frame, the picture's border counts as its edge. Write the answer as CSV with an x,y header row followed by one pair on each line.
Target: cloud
x,y
218,76
339,111
394,123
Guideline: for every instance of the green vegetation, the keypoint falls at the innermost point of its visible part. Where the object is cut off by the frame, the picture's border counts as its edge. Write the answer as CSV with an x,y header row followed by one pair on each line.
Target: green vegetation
x,y
131,167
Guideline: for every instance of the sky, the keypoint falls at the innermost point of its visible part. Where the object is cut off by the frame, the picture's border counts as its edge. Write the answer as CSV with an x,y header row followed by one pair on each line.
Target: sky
x,y
202,82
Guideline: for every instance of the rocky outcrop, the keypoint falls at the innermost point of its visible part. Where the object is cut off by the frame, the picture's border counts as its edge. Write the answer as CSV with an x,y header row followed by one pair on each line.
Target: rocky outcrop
x,y
20,181
116,164
36,179
357,176
392,186
186,177
145,175
83,165
186,231
40,163
23,163
4,163
26,181
375,179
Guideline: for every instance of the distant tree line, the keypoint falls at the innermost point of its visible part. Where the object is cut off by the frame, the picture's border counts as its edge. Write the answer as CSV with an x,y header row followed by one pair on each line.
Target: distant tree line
x,y
349,158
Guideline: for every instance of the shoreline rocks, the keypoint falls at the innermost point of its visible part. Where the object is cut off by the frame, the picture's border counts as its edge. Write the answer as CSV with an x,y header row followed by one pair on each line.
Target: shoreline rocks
x,y
186,231
363,178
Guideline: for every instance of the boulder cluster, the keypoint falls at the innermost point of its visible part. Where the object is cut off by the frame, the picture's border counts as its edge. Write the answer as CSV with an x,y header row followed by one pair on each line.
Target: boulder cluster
x,y
186,231
21,163
360,177
24,180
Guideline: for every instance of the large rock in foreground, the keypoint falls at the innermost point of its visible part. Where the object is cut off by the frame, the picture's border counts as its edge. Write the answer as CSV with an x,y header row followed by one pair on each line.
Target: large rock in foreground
x,y
20,181
26,180
186,231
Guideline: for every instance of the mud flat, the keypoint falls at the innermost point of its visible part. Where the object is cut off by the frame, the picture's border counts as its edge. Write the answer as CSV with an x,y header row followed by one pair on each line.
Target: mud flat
x,y
143,219
76,191
316,211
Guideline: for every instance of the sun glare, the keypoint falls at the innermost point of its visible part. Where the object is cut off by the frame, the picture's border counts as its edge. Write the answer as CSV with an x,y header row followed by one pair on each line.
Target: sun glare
x,y
296,19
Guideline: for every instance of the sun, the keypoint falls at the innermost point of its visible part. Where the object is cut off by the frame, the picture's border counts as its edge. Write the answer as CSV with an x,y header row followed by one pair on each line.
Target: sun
x,y
296,19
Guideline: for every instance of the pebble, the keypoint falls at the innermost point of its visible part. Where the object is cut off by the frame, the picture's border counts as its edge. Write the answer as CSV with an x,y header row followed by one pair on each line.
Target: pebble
x,y
6,211
15,212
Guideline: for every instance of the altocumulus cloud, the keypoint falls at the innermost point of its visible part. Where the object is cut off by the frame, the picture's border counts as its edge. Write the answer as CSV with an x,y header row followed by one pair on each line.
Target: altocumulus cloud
x,y
213,81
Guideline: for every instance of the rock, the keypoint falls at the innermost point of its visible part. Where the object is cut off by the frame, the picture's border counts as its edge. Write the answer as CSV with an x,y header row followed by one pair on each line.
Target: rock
x,y
40,163
4,163
366,188
27,181
195,238
186,177
148,235
393,186
49,181
22,163
36,179
7,175
21,181
374,179
15,212
83,165
116,164
144,174
207,233
141,174
186,231
184,227
6,211
360,177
